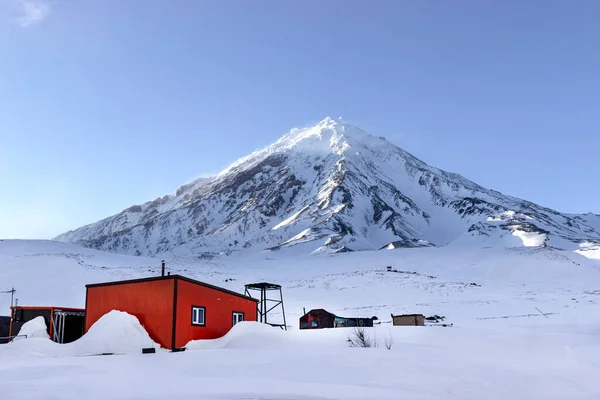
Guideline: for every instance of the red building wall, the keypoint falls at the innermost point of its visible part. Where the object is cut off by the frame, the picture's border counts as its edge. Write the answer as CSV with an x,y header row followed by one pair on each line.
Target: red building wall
x,y
151,302
219,312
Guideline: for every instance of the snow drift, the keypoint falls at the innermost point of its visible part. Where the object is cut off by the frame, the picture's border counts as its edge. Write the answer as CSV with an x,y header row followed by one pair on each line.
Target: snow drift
x,y
246,334
36,328
256,335
116,332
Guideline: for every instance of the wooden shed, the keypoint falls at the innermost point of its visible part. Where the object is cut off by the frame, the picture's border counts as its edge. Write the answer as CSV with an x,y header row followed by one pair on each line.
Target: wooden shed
x,y
408,320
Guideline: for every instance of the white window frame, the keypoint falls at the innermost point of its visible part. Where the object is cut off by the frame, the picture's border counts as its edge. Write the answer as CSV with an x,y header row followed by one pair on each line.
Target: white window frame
x,y
198,311
237,314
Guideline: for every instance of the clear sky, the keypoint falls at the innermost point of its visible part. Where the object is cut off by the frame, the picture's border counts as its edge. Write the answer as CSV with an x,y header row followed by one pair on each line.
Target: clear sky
x,y
105,104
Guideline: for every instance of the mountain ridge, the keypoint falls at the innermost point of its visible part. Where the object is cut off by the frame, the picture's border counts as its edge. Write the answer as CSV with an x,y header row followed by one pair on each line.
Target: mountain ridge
x,y
332,187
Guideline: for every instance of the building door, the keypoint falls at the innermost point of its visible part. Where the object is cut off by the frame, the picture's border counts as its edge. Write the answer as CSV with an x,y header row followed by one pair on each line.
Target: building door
x,y
237,317
68,326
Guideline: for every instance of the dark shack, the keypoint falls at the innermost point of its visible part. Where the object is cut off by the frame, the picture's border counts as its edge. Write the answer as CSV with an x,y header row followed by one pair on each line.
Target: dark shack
x,y
64,325
319,319
4,329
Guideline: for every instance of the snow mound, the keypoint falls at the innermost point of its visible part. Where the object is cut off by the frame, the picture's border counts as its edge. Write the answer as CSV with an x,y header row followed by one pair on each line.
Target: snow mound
x,y
256,335
247,335
116,332
36,328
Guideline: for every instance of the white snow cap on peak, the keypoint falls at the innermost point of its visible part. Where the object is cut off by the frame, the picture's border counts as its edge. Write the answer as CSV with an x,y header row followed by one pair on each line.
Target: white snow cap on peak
x,y
327,136
329,121
329,128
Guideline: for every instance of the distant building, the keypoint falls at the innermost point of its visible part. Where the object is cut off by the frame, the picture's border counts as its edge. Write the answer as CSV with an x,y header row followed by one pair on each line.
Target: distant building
x,y
408,320
319,319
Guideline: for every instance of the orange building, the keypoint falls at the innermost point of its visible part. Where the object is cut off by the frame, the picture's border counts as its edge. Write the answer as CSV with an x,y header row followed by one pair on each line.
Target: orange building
x,y
173,309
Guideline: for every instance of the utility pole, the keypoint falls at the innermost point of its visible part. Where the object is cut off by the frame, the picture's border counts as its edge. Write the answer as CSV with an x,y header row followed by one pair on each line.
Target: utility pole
x,y
12,295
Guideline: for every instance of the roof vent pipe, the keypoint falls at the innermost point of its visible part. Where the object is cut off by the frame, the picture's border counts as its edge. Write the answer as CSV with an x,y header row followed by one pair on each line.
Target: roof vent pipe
x,y
163,268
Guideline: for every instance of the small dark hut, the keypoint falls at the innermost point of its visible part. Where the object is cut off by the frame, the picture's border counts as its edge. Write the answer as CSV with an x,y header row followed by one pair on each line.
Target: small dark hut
x,y
64,325
4,329
319,319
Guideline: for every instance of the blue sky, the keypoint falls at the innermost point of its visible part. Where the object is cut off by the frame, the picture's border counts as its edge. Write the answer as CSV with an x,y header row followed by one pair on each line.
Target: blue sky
x,y
105,104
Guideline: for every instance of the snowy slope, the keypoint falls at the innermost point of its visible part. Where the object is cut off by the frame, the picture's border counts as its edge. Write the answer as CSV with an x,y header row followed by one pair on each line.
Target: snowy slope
x,y
491,351
431,280
54,273
329,188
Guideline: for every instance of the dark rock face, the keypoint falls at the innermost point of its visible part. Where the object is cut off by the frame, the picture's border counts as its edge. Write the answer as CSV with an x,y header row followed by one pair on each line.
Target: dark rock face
x,y
330,188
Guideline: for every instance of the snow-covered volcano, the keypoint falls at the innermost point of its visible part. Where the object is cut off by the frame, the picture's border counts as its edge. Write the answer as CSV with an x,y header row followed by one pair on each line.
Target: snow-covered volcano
x,y
332,188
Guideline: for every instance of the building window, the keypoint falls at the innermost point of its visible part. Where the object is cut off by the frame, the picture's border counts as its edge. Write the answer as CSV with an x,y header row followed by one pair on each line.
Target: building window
x,y
198,315
237,317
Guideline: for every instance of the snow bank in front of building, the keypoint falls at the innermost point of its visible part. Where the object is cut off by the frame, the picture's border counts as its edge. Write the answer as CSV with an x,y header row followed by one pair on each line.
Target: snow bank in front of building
x,y
256,335
246,334
36,328
116,332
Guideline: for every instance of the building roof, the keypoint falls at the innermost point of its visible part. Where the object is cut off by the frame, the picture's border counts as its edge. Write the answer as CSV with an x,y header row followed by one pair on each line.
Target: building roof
x,y
407,315
46,308
168,277
321,311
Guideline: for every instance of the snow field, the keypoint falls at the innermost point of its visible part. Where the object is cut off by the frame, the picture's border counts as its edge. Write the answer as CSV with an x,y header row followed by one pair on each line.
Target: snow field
x,y
483,355
258,362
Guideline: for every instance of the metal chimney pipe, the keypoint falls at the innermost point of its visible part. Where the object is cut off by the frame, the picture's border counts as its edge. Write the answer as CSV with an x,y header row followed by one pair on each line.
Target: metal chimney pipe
x,y
163,268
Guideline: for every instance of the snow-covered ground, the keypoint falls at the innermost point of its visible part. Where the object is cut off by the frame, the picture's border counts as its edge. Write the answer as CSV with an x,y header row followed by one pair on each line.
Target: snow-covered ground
x,y
483,355
542,362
